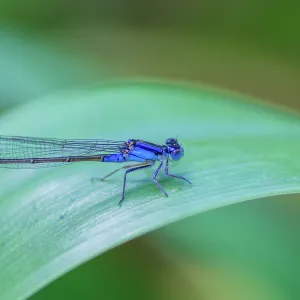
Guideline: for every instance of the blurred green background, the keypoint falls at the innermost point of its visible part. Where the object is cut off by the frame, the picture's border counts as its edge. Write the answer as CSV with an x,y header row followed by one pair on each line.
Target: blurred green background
x,y
245,251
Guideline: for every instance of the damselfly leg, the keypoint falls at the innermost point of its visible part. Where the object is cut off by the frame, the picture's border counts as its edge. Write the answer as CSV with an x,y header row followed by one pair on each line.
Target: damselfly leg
x,y
139,167
172,175
155,180
119,169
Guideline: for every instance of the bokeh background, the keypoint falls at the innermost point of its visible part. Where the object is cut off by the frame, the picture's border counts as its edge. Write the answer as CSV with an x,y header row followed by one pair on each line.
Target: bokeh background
x,y
245,251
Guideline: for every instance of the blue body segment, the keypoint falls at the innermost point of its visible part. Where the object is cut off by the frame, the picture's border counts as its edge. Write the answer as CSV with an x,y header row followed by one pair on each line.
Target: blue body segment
x,y
149,147
116,158
30,152
141,152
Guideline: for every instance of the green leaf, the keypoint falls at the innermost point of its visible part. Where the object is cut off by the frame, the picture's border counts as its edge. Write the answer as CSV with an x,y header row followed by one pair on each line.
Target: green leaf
x,y
54,219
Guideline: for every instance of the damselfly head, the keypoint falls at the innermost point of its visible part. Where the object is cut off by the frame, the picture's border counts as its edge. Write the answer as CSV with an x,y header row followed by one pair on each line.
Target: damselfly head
x,y
174,149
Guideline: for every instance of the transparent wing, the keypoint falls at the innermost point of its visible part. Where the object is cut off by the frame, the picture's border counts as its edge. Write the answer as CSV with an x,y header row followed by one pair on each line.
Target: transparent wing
x,y
16,152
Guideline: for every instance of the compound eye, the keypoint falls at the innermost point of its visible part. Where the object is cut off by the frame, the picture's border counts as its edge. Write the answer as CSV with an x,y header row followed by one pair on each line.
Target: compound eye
x,y
176,154
171,142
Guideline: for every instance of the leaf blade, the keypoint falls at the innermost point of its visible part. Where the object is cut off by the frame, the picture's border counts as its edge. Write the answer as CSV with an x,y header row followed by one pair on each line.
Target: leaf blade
x,y
53,220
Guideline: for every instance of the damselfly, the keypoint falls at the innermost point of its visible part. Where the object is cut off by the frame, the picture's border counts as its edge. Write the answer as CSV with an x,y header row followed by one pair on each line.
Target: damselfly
x,y
29,152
